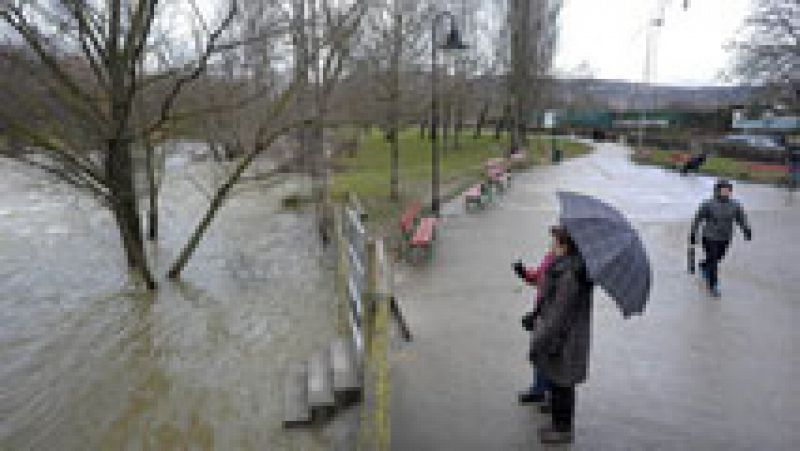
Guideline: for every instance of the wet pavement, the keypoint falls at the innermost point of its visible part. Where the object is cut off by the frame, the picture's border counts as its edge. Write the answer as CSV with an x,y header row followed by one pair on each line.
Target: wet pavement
x,y
693,373
89,362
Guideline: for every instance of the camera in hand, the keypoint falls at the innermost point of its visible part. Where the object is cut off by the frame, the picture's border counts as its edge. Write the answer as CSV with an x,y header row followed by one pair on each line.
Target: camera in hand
x,y
527,321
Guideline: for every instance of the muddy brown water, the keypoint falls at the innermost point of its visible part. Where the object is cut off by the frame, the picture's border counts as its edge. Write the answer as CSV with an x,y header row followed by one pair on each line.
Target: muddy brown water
x,y
88,361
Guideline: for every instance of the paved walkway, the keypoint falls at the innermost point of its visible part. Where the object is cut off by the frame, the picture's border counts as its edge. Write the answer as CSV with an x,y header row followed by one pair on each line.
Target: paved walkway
x,y
694,373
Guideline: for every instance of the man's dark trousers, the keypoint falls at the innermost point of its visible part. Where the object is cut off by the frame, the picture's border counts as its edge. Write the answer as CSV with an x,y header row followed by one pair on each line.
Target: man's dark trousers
x,y
715,252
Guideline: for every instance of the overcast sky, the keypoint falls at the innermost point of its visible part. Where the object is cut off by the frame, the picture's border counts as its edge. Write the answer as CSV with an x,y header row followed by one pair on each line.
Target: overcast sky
x,y
689,46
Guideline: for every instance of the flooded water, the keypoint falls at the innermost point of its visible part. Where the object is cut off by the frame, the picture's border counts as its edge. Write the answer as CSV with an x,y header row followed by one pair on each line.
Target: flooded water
x,y
87,361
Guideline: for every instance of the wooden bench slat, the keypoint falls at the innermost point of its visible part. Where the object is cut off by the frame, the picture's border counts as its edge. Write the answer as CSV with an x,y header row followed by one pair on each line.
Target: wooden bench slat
x,y
346,382
475,191
408,217
424,233
768,167
296,411
320,386
678,157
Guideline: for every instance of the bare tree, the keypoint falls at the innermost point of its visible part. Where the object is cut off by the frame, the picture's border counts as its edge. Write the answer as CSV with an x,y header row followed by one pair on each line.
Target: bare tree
x,y
88,56
278,117
104,78
533,31
768,54
391,47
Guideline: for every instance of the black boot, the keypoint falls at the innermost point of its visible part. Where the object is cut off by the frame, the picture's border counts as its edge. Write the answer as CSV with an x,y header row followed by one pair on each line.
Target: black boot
x,y
528,397
552,436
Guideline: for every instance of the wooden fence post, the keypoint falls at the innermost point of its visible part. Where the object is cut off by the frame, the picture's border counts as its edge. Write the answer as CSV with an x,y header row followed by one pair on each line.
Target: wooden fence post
x,y
375,430
342,265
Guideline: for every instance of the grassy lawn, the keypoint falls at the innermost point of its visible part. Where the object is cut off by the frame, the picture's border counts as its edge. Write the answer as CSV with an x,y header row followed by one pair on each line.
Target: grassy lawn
x,y
716,166
367,174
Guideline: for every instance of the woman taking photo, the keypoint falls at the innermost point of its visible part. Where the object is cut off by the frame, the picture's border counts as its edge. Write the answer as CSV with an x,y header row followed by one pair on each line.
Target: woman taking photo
x,y
561,335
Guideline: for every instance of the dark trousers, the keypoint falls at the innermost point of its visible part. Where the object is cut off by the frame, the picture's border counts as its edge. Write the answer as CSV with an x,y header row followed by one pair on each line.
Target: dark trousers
x,y
541,384
715,252
563,407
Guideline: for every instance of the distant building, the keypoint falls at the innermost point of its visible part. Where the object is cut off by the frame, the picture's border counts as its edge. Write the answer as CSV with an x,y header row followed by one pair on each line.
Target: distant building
x,y
767,122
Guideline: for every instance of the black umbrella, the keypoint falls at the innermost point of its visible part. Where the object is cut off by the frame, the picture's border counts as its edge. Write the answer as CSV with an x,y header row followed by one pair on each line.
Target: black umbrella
x,y
615,256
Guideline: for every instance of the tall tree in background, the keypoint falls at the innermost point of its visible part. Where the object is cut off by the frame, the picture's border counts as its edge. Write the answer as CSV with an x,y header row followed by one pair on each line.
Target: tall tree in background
x,y
768,55
533,30
391,46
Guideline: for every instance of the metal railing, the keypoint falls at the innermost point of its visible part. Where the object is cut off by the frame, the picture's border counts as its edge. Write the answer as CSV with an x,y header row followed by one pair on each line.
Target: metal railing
x,y
353,244
365,288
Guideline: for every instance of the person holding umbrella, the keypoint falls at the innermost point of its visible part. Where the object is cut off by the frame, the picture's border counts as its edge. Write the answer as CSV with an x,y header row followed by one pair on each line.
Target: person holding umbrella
x,y
716,216
560,336
594,244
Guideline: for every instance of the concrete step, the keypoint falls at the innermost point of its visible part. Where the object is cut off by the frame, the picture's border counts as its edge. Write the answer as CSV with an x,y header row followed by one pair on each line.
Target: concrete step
x,y
296,411
346,374
320,385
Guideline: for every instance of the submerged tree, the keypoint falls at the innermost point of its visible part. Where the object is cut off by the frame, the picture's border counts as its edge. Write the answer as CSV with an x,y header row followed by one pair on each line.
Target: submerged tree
x,y
86,83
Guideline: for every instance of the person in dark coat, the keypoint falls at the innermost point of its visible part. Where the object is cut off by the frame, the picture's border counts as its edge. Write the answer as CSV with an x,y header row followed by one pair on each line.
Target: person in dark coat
x,y
561,335
716,216
693,164
793,165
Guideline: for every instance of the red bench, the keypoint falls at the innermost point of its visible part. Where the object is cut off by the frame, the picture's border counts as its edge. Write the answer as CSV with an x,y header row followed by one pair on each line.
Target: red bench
x,y
679,157
424,233
408,219
495,163
768,167
474,196
499,178
517,160
423,238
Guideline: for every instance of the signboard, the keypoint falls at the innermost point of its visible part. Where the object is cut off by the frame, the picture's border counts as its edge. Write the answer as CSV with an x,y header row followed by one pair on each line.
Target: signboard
x,y
549,119
633,123
792,141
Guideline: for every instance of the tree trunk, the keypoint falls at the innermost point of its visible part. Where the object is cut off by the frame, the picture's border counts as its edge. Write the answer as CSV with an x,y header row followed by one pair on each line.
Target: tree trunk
x,y
457,119
458,126
119,170
445,128
119,161
216,203
394,191
152,191
481,120
395,176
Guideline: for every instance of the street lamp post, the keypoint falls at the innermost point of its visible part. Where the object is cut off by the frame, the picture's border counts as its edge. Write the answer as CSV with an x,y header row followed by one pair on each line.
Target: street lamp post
x,y
453,43
650,48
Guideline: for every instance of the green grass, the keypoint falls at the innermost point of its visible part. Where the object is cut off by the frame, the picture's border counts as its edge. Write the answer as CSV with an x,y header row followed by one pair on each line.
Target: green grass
x,y
367,174
716,166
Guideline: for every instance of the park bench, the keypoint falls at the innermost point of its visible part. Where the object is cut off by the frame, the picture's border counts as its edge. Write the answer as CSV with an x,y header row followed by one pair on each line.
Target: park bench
x,y
495,162
678,158
475,197
408,220
499,179
762,167
421,243
517,160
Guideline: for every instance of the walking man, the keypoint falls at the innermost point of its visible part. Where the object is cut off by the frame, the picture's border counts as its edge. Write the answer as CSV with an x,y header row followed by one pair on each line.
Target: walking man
x,y
716,216
793,165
